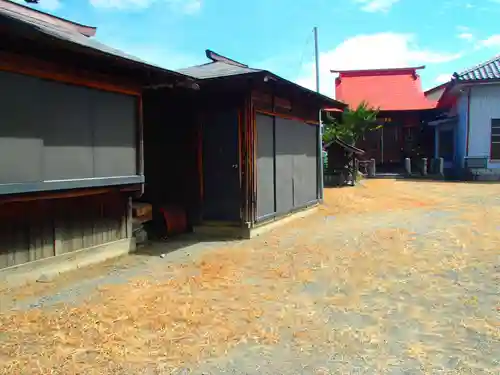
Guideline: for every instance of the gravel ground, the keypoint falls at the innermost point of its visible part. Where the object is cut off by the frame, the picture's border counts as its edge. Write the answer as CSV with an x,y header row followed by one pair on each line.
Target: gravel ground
x,y
385,288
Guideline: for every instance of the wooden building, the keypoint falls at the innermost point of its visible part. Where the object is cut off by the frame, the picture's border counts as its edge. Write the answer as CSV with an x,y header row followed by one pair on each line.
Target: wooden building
x,y
404,112
253,151
87,129
71,145
342,166
467,132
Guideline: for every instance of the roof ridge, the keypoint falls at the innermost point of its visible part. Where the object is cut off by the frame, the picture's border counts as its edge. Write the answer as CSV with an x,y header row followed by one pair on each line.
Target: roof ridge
x,y
216,57
207,63
481,65
47,18
378,70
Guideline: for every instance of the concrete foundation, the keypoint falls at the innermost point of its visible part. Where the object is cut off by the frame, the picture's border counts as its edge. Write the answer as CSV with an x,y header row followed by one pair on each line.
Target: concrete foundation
x,y
48,268
486,174
226,231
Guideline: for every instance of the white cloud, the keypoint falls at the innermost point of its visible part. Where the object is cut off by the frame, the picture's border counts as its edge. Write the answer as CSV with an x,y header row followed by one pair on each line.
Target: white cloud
x,y
48,5
375,51
376,5
442,78
492,41
184,6
466,36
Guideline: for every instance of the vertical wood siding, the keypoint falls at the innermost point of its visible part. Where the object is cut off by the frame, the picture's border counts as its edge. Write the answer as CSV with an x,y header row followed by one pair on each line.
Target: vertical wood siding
x,y
483,107
36,230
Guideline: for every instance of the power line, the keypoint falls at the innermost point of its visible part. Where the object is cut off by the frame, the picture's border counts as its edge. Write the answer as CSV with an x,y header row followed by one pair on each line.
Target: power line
x,y
305,48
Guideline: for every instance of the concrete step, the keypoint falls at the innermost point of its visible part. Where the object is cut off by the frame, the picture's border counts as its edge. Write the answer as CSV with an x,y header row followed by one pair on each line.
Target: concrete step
x,y
388,175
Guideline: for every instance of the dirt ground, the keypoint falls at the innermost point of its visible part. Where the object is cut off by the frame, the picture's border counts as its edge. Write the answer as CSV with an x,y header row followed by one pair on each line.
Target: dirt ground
x,y
389,277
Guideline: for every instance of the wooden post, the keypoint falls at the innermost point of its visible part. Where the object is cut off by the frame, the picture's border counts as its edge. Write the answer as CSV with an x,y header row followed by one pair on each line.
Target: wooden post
x,y
129,217
58,231
382,145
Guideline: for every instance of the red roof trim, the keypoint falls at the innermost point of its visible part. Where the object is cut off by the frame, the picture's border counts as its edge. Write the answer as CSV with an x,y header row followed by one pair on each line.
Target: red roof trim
x,y
383,70
46,17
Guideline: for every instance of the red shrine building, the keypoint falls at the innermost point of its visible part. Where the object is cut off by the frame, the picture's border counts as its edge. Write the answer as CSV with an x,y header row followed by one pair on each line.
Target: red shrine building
x,y
403,110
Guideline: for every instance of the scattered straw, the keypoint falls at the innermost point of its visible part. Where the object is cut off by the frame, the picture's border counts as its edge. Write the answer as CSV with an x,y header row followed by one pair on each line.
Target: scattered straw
x,y
374,195
251,293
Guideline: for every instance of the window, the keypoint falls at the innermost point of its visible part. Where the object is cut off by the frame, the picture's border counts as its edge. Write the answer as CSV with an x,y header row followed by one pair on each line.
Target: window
x,y
495,139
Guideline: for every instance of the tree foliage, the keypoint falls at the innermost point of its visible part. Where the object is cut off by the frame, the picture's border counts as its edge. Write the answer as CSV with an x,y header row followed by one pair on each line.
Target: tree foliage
x,y
352,125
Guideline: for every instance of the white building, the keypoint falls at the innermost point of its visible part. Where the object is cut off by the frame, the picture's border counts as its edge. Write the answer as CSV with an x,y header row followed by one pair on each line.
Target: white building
x,y
468,137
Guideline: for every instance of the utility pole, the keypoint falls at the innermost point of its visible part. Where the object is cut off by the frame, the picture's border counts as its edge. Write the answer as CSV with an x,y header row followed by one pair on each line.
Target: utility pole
x,y
320,127
316,56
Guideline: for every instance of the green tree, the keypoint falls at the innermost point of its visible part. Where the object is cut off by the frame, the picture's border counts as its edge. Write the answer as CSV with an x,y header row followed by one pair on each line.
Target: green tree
x,y
352,125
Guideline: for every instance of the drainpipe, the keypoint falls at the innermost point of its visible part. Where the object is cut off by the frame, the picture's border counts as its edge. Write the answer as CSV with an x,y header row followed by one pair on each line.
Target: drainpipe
x,y
320,158
467,124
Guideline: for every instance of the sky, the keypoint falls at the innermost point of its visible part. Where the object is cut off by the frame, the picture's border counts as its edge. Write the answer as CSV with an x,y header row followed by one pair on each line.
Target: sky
x,y
446,36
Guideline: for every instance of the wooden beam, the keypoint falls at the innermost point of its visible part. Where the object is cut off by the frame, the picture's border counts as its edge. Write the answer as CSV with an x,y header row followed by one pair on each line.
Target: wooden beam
x,y
64,194
15,63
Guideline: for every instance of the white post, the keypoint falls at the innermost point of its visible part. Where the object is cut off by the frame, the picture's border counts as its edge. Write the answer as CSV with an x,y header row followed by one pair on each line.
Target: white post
x,y
372,169
441,166
424,166
408,166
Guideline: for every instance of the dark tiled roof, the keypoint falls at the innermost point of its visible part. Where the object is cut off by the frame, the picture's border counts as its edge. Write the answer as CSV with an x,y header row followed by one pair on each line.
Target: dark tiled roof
x,y
485,71
230,68
72,37
217,69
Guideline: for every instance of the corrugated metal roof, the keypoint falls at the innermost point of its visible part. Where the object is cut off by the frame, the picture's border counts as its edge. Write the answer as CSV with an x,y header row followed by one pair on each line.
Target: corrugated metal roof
x,y
217,69
482,72
73,37
221,69
388,89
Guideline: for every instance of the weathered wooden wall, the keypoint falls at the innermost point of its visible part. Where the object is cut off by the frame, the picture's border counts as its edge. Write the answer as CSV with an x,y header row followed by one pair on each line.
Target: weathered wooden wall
x,y
40,229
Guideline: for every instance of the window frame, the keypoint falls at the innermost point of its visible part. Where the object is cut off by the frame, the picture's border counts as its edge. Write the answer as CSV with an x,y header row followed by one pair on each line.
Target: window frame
x,y
494,124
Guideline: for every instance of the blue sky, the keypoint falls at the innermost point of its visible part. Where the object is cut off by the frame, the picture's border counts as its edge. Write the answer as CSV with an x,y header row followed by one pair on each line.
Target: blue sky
x,y
446,36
